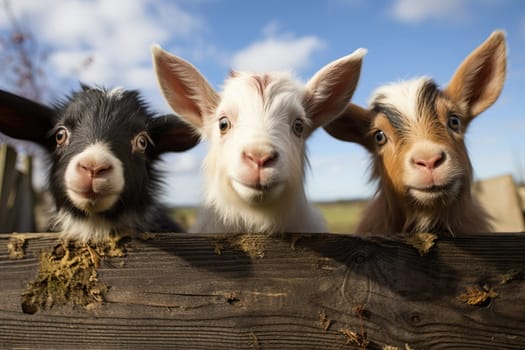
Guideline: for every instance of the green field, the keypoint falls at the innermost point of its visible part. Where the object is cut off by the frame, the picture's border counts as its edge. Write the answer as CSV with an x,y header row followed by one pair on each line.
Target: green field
x,y
341,216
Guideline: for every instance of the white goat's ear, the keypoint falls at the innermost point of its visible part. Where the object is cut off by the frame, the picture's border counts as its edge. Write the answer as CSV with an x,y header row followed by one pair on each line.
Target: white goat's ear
x,y
353,125
185,89
478,81
330,89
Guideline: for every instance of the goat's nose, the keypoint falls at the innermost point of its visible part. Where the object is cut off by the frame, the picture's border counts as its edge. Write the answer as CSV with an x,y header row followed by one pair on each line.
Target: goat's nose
x,y
261,157
94,170
430,162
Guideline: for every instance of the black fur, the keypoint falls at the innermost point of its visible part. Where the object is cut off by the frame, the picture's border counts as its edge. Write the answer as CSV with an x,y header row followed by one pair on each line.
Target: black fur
x,y
115,118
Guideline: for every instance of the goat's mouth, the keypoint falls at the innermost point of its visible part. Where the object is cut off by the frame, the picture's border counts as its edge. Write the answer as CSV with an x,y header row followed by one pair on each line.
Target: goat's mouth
x,y
441,192
257,192
92,201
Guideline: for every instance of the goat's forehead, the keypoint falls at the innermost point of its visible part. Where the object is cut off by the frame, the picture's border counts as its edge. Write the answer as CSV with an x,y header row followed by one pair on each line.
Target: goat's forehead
x,y
94,107
408,102
261,93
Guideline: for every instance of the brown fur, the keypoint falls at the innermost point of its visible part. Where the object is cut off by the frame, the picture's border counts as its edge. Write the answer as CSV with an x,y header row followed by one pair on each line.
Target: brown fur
x,y
261,82
417,113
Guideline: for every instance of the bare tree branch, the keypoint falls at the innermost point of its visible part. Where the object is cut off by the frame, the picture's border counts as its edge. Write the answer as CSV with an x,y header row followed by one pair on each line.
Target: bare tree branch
x,y
22,59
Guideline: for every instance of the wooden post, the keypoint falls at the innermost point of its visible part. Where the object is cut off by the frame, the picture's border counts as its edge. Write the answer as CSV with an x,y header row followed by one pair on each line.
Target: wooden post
x,y
319,291
8,177
17,198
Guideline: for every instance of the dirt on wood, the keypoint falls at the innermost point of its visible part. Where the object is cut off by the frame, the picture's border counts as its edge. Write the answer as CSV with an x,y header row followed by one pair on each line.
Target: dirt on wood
x,y
355,338
252,245
423,242
68,275
511,275
324,321
254,341
478,296
16,247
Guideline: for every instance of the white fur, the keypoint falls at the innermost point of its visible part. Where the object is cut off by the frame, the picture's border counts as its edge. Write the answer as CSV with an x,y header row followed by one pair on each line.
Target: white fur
x,y
108,187
403,95
254,171
232,207
93,228
96,228
116,92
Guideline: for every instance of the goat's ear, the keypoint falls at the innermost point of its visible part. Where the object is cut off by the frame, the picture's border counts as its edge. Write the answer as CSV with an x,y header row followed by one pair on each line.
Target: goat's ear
x,y
353,125
185,89
170,134
26,120
479,79
330,89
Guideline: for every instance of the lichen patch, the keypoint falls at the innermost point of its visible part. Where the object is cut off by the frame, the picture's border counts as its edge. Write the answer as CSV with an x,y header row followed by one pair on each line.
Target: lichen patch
x,y
68,275
478,296
423,242
16,247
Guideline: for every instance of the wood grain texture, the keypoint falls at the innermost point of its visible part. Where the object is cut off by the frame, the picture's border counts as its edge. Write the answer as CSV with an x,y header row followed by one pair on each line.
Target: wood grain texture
x,y
297,292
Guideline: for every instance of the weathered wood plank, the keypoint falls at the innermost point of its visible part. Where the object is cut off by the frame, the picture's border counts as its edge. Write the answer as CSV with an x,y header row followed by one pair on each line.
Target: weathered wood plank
x,y
7,179
289,292
16,192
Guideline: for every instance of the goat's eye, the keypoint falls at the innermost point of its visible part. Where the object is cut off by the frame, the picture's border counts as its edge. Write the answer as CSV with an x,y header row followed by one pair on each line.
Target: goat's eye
x,y
298,127
140,142
380,137
224,125
454,123
61,136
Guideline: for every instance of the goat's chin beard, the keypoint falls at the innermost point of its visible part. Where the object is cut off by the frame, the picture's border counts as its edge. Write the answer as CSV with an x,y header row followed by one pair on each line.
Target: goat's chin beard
x,y
435,195
257,196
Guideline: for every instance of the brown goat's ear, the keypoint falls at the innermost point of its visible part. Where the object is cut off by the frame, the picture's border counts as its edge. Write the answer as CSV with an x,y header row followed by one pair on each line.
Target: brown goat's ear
x,y
185,89
170,134
479,79
353,125
26,120
330,89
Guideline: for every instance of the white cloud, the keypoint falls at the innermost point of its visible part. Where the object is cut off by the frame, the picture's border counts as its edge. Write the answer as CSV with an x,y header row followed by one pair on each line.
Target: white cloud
x,y
340,176
183,177
415,11
277,52
181,163
116,35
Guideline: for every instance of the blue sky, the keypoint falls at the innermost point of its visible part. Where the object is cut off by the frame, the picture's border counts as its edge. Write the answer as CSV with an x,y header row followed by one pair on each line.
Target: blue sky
x,y
404,38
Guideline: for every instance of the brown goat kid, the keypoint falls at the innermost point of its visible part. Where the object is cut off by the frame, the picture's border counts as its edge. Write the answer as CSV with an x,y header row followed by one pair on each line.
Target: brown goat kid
x,y
415,134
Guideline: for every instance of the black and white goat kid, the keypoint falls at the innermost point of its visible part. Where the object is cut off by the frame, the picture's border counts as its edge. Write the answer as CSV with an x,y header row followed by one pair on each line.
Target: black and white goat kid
x,y
103,146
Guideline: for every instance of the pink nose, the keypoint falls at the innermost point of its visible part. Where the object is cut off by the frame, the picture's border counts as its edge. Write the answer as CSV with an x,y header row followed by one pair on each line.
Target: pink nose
x,y
430,162
94,170
259,157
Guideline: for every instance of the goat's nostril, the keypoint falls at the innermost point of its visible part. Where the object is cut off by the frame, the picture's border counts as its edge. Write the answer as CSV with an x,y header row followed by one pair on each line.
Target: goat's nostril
x,y
432,162
102,170
260,158
94,170
440,159
268,158
83,168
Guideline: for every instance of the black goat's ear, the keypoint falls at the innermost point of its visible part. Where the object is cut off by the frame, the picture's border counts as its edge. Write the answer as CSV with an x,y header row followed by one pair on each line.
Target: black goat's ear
x,y
170,134
24,119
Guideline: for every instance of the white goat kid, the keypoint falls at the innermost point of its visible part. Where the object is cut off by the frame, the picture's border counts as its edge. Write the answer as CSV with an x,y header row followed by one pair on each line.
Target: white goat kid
x,y
256,129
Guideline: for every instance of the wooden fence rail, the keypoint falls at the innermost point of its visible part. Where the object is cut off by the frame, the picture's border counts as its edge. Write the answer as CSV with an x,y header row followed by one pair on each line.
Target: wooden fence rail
x,y
322,291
